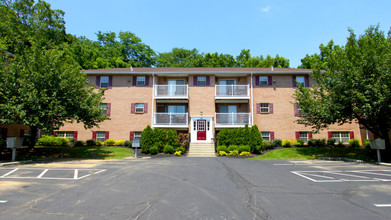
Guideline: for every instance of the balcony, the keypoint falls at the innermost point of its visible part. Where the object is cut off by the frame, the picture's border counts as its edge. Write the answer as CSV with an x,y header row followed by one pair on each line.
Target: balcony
x,y
232,91
231,120
171,91
171,120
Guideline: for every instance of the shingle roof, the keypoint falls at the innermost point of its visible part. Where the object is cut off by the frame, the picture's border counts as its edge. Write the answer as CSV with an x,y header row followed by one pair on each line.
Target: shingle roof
x,y
190,70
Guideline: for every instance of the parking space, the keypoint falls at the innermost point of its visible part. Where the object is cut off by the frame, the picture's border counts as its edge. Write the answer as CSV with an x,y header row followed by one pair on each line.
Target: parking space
x,y
346,176
50,173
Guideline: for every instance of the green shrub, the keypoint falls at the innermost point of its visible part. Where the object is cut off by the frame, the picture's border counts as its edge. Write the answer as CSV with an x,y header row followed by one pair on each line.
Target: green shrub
x,y
181,149
311,142
48,140
367,144
154,150
244,148
355,143
146,141
320,142
276,143
79,144
178,153
233,153
222,153
286,143
232,147
298,143
245,153
128,143
222,148
2,142
223,137
119,143
267,145
331,141
91,142
109,142
340,145
99,143
168,149
256,140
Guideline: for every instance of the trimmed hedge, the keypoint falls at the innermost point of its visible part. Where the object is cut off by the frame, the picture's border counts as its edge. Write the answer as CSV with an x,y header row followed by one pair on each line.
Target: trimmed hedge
x,y
241,136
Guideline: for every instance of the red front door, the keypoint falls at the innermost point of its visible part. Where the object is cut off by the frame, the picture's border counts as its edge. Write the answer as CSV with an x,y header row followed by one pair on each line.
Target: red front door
x,y
201,130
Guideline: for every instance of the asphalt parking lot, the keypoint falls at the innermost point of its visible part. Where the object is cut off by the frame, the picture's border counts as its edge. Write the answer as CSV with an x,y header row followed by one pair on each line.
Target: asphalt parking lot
x,y
195,188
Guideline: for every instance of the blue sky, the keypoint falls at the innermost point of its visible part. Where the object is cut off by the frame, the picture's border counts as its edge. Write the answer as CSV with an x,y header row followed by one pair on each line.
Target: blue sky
x,y
289,28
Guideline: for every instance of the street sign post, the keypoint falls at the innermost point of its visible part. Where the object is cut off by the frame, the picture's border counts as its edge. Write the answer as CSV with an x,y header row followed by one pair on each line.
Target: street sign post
x,y
135,145
378,144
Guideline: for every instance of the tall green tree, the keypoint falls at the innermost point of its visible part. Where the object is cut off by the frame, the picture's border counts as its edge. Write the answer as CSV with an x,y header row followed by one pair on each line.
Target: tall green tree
x,y
318,61
355,86
44,89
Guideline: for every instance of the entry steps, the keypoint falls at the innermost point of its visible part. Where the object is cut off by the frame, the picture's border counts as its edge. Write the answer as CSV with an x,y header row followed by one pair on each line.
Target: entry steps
x,y
202,150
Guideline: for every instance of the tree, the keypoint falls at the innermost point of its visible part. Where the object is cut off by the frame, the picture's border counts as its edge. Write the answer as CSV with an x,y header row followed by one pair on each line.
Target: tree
x,y
318,61
44,89
354,87
256,140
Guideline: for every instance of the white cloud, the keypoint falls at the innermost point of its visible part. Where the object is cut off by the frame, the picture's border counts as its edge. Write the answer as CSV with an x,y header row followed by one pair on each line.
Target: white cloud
x,y
265,9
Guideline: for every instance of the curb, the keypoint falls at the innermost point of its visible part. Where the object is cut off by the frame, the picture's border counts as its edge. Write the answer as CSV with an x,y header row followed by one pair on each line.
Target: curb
x,y
341,159
15,163
384,164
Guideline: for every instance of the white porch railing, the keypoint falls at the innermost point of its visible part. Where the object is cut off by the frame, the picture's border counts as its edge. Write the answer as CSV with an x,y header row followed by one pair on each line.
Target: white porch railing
x,y
233,119
232,91
171,91
170,119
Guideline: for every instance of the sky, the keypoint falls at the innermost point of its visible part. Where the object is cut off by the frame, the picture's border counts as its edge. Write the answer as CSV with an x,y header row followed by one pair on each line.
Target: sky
x,y
288,28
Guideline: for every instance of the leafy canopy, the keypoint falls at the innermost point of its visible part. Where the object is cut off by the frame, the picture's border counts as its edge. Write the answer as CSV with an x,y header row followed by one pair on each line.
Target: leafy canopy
x,y
354,86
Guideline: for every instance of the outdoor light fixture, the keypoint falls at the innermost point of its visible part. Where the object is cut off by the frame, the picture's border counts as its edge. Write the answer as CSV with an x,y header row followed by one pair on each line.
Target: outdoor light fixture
x,y
201,113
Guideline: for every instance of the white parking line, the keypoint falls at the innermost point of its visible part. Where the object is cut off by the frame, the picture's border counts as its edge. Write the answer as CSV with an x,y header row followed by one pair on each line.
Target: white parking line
x,y
3,201
382,205
43,173
9,173
76,174
344,176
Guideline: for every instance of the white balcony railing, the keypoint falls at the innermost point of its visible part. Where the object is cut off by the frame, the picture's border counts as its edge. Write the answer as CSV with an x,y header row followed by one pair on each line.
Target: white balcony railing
x,y
170,119
232,91
171,91
232,119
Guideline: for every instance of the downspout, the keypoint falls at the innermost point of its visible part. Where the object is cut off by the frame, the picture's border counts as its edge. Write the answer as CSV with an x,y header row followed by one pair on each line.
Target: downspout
x,y
153,99
252,101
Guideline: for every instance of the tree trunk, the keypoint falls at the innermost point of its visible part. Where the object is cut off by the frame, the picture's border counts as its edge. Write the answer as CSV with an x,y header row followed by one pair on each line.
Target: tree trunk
x,y
33,138
386,154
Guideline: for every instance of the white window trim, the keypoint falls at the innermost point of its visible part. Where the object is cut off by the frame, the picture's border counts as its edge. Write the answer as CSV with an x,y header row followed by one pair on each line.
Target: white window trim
x,y
264,107
104,107
99,134
137,134
300,83
263,84
101,82
139,109
304,138
198,81
138,82
268,136
65,134
339,137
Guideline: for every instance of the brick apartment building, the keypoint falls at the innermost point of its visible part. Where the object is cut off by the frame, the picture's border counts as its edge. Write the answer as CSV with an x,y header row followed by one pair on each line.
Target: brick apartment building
x,y
202,101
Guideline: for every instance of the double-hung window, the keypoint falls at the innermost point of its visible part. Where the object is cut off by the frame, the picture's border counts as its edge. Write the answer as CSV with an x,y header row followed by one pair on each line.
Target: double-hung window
x,y
103,106
266,136
64,134
101,136
300,80
137,134
341,137
263,80
139,108
140,80
104,82
201,80
304,136
264,107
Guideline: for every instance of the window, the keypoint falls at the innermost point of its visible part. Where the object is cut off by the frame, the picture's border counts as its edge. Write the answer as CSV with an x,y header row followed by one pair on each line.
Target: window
x,y
26,133
300,80
195,125
139,108
101,136
266,136
140,80
341,137
201,80
65,134
263,80
137,134
104,107
104,82
303,136
264,107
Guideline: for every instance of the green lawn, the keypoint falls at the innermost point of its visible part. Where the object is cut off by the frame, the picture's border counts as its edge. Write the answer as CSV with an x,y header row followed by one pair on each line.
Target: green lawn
x,y
311,153
55,152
